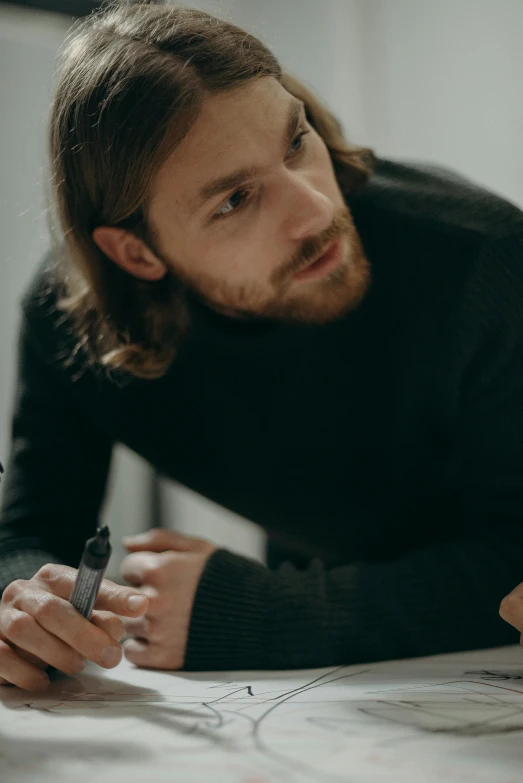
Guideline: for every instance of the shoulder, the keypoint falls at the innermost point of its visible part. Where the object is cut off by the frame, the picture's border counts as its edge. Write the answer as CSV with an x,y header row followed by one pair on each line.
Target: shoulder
x,y
46,324
432,229
41,296
446,247
441,201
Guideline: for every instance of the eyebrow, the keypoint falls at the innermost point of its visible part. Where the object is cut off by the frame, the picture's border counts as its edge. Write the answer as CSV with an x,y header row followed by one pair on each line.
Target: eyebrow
x,y
231,181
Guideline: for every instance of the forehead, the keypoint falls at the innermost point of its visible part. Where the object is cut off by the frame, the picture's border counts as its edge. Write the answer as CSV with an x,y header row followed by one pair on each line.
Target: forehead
x,y
234,128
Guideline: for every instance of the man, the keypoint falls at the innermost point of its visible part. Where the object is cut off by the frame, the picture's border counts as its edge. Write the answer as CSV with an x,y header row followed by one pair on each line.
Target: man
x,y
329,345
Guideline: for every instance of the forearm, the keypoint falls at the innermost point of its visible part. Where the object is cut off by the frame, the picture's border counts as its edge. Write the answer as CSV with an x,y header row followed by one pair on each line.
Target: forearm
x,y
438,599
59,462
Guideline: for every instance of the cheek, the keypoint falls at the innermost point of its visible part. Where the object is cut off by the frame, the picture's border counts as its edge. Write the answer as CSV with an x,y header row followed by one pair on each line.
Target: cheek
x,y
247,256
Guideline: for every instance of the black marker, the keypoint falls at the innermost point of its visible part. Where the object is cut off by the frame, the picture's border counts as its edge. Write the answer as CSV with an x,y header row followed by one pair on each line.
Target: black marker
x,y
89,577
91,572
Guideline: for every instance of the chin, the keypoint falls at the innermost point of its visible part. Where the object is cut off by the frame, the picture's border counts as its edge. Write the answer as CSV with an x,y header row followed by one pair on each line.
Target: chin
x,y
329,299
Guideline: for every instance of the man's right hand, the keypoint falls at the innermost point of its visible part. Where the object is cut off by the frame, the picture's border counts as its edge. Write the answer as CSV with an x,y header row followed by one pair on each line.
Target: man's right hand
x,y
40,628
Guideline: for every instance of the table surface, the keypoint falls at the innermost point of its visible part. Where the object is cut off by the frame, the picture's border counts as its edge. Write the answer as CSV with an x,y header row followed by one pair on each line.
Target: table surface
x,y
455,718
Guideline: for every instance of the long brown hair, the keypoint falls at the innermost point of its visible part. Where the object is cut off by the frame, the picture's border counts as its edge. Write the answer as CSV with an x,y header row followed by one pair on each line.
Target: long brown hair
x,y
131,83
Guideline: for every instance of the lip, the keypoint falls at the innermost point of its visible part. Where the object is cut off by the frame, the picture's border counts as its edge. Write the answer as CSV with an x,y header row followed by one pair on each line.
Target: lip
x,y
324,264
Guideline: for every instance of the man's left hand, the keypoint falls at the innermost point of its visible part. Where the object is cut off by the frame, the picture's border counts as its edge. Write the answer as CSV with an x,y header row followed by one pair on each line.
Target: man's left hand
x,y
167,567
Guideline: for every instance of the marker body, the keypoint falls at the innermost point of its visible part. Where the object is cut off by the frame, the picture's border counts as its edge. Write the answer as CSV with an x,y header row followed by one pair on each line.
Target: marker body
x,y
89,577
86,589
91,572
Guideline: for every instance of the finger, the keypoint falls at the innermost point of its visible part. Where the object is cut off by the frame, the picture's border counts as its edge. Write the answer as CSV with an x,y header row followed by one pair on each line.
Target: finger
x,y
22,630
110,623
144,654
60,579
159,601
34,659
14,670
147,628
66,627
57,579
159,539
511,608
141,568
121,600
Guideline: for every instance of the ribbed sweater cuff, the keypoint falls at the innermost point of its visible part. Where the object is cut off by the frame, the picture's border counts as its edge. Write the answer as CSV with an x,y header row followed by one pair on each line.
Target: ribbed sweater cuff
x,y
22,564
229,621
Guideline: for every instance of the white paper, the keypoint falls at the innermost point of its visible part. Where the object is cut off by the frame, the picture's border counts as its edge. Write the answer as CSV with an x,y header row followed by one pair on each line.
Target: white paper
x,y
455,718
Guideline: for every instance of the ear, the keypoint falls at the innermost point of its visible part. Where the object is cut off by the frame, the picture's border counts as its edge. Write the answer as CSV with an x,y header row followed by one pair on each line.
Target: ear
x,y
129,252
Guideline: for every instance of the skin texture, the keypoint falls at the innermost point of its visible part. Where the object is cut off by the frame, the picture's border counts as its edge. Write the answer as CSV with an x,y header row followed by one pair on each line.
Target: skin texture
x,y
166,567
240,249
511,609
39,627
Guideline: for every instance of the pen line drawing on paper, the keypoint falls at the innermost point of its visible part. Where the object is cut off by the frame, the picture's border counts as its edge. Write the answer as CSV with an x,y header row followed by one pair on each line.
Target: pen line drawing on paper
x,y
300,727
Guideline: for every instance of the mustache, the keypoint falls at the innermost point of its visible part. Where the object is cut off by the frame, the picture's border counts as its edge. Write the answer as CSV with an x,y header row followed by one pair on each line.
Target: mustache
x,y
312,247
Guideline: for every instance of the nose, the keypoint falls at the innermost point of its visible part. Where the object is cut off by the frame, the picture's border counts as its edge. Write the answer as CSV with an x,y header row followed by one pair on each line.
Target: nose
x,y
309,211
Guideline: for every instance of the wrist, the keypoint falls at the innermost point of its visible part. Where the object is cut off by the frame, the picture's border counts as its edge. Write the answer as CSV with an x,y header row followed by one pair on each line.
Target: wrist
x,y
230,615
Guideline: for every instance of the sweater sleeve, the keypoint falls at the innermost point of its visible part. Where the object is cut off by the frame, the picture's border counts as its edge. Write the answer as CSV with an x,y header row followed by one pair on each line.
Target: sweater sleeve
x,y
440,598
57,470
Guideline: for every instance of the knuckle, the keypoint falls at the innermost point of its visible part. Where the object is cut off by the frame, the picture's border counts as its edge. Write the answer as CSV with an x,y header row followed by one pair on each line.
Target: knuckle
x,y
85,639
115,627
151,573
13,590
170,559
507,606
45,607
158,605
48,572
17,626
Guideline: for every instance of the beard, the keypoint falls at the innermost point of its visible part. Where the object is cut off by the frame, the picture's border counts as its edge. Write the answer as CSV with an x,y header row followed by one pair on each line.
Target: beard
x,y
330,297
315,301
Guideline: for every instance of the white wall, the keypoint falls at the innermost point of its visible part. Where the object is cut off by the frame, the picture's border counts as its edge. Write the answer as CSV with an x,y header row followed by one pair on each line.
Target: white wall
x,y
28,44
443,82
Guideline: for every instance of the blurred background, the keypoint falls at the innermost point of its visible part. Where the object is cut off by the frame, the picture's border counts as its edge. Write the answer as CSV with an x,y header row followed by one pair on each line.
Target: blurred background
x,y
413,79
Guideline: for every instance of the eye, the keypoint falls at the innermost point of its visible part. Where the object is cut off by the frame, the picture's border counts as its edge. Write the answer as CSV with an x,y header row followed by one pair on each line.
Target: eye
x,y
298,143
239,198
233,204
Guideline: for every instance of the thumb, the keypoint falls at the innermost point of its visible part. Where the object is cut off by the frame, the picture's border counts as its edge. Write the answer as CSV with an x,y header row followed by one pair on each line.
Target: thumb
x,y
157,539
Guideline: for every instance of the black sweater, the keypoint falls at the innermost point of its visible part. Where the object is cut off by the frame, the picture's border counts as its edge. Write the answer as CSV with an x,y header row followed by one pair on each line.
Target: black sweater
x,y
384,450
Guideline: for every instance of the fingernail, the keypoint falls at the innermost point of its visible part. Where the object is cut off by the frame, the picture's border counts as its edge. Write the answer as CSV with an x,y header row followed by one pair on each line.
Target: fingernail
x,y
111,655
136,602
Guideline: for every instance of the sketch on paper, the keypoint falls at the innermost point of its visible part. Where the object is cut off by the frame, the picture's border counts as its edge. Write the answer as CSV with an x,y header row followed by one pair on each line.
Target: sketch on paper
x,y
430,719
